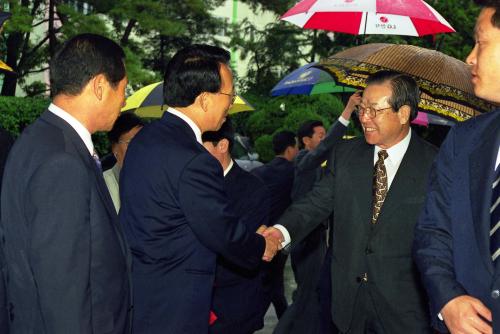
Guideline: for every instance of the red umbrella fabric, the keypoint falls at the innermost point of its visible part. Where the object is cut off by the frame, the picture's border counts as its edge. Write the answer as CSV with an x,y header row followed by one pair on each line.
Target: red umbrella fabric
x,y
358,17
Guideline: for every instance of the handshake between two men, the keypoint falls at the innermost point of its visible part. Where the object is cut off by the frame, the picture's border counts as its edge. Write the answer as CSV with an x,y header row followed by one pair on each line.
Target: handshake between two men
x,y
274,240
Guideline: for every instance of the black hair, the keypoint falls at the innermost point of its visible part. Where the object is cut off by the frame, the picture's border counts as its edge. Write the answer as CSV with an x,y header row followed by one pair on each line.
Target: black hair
x,y
192,71
307,130
83,57
226,131
124,123
282,140
495,4
404,88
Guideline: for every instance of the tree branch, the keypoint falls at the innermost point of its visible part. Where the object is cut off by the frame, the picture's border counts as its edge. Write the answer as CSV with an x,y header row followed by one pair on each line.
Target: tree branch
x,y
39,23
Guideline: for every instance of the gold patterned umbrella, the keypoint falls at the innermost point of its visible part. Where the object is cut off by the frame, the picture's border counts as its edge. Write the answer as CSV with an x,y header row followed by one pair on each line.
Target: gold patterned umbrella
x,y
445,81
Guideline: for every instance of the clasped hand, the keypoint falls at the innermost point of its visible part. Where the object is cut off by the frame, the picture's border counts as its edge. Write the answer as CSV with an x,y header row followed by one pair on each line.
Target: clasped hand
x,y
274,238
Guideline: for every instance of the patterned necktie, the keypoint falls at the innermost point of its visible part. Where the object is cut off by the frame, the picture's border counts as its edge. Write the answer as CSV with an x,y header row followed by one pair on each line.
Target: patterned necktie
x,y
495,217
97,160
379,185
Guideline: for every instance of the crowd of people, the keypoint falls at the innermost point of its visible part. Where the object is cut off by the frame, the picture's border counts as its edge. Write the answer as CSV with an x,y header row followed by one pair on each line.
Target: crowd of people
x,y
175,237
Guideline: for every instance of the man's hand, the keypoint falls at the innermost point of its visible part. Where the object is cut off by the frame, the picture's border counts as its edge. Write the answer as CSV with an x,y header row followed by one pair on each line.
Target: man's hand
x,y
273,245
261,229
465,314
353,102
273,231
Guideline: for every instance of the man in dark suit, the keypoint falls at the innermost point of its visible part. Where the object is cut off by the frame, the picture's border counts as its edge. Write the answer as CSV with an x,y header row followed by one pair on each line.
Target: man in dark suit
x,y
238,297
67,261
277,175
457,240
375,187
6,141
174,209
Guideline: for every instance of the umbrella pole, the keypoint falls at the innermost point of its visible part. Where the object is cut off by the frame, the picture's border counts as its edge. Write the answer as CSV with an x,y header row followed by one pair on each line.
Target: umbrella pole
x,y
364,32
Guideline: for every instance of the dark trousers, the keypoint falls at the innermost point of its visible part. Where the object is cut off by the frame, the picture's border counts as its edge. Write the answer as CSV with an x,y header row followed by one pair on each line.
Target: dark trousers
x,y
274,285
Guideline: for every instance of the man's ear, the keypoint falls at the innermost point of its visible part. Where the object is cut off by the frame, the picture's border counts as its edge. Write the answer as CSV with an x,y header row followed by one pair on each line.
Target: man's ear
x,y
404,113
306,140
98,84
223,145
203,100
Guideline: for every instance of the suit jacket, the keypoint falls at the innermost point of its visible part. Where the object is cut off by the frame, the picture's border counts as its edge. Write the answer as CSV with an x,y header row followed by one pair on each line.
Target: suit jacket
x,y
308,163
68,264
381,251
277,175
238,299
6,142
452,235
177,220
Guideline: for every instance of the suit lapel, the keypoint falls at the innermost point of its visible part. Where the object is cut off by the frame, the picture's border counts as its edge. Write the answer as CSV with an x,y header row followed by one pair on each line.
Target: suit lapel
x,y
481,167
84,154
361,171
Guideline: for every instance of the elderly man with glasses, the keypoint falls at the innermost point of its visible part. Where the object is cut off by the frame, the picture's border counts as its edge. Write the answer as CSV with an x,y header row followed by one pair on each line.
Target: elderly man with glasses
x,y
375,187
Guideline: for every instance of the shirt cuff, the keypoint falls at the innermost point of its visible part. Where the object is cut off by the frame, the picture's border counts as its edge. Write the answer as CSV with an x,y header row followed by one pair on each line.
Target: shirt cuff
x,y
344,121
440,317
285,233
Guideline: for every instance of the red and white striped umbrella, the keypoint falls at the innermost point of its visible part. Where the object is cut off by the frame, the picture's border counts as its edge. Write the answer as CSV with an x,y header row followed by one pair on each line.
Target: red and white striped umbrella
x,y
358,17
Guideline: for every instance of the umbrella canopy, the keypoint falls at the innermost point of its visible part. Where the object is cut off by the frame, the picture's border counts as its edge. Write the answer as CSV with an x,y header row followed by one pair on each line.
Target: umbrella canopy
x,y
4,16
308,80
386,17
148,102
445,81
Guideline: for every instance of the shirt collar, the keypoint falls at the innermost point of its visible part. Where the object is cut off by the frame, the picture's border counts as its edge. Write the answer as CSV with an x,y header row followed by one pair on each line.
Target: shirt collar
x,y
396,152
75,124
189,121
228,169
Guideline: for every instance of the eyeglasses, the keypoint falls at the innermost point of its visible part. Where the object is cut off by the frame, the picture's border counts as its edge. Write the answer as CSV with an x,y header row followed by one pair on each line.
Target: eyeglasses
x,y
233,96
369,111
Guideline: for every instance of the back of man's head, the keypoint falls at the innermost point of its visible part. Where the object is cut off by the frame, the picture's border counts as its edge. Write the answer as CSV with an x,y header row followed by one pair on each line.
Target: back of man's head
x,y
282,140
80,59
192,71
495,4
306,129
404,88
226,131
123,124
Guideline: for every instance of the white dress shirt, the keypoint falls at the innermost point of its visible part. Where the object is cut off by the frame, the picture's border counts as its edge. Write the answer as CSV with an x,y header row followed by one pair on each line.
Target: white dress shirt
x,y
392,162
498,158
228,169
394,158
189,121
75,124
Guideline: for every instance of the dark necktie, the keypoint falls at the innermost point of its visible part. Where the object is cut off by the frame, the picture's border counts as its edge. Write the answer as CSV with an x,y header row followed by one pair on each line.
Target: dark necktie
x,y
379,185
97,161
495,217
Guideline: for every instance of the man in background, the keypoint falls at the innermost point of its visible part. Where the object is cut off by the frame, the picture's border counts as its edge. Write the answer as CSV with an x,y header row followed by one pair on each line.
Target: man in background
x,y
277,175
238,297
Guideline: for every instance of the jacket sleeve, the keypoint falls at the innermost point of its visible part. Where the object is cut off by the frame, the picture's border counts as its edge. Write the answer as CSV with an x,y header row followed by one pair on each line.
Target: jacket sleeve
x,y
311,210
204,202
314,158
432,248
58,209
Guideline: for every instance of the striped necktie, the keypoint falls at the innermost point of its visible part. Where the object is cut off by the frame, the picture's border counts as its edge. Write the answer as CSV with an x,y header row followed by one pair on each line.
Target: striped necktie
x,y
495,217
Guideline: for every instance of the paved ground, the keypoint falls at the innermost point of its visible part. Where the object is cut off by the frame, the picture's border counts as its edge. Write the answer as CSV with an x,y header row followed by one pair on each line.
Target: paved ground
x,y
271,320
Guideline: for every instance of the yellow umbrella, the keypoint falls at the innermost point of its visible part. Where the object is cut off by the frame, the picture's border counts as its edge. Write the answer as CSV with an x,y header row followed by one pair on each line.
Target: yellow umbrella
x,y
147,102
6,68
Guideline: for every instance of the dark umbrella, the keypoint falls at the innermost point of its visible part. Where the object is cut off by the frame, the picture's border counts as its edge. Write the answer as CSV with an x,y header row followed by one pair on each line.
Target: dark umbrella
x,y
445,81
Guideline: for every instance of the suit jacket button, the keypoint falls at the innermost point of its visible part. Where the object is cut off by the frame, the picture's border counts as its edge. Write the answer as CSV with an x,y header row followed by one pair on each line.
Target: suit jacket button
x,y
495,294
368,251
